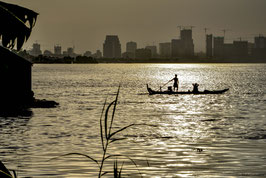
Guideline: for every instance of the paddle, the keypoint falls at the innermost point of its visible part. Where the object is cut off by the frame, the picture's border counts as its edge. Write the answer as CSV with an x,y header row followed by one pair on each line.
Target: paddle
x,y
165,84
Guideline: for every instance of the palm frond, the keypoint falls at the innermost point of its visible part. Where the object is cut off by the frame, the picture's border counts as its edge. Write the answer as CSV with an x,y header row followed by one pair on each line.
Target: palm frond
x,y
16,24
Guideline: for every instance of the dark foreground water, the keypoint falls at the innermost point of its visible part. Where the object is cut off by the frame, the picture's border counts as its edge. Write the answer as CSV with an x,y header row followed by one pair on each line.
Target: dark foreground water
x,y
229,128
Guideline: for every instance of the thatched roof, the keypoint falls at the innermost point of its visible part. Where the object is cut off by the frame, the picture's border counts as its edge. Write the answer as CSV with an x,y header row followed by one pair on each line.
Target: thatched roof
x,y
16,24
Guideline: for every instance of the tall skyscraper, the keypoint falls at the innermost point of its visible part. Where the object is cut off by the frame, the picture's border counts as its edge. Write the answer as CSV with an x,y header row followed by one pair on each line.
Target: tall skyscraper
x,y
183,47
112,47
165,50
209,46
187,42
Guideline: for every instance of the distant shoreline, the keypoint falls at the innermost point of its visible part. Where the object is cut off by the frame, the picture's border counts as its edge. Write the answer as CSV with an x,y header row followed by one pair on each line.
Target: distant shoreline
x,y
108,61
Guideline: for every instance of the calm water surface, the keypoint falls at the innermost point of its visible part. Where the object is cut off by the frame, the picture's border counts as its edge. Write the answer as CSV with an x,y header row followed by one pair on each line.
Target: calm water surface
x,y
230,128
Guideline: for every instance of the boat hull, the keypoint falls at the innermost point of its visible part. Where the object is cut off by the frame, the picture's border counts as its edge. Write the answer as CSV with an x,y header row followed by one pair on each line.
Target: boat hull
x,y
153,92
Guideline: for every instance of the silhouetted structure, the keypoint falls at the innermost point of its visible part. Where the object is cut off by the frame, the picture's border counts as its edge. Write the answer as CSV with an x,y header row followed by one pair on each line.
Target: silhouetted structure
x,y
36,49
128,55
183,47
112,47
240,49
165,50
187,43
259,50
153,50
98,54
57,50
70,52
209,40
143,53
131,49
15,79
176,47
218,47
87,54
47,53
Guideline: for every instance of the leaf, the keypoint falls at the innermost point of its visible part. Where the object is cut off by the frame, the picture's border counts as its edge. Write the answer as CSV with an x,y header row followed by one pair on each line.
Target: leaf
x,y
110,156
4,174
101,126
106,119
117,139
68,154
120,130
120,172
113,114
115,169
105,173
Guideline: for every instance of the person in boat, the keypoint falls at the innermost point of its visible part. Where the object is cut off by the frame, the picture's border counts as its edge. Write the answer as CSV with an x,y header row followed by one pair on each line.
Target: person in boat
x,y
195,88
176,83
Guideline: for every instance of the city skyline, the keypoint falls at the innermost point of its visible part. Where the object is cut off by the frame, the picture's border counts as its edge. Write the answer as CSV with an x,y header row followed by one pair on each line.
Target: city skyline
x,y
84,24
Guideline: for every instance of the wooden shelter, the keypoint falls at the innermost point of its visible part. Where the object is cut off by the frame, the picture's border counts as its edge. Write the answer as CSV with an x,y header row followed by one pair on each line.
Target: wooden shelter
x,y
15,79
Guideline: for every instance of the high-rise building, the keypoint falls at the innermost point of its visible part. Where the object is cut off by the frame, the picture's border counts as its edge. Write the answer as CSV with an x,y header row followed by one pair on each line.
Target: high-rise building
x,y
165,50
260,42
112,47
183,47
209,46
36,49
153,50
70,52
259,50
240,49
57,50
131,47
218,47
130,50
187,43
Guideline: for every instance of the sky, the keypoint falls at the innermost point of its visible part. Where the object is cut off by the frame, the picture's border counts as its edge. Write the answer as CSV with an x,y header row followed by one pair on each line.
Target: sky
x,y
85,23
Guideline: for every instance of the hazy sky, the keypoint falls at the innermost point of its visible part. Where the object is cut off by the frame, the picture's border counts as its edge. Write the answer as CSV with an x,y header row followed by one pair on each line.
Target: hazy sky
x,y
85,23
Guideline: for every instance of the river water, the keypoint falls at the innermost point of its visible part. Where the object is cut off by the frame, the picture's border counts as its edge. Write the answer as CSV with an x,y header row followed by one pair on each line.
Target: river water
x,y
184,136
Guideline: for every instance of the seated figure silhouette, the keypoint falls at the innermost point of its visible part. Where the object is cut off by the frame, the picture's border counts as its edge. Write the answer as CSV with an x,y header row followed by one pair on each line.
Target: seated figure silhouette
x,y
195,88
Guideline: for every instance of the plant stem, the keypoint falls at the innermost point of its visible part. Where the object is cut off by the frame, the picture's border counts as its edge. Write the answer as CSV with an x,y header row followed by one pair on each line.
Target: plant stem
x,y
103,158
